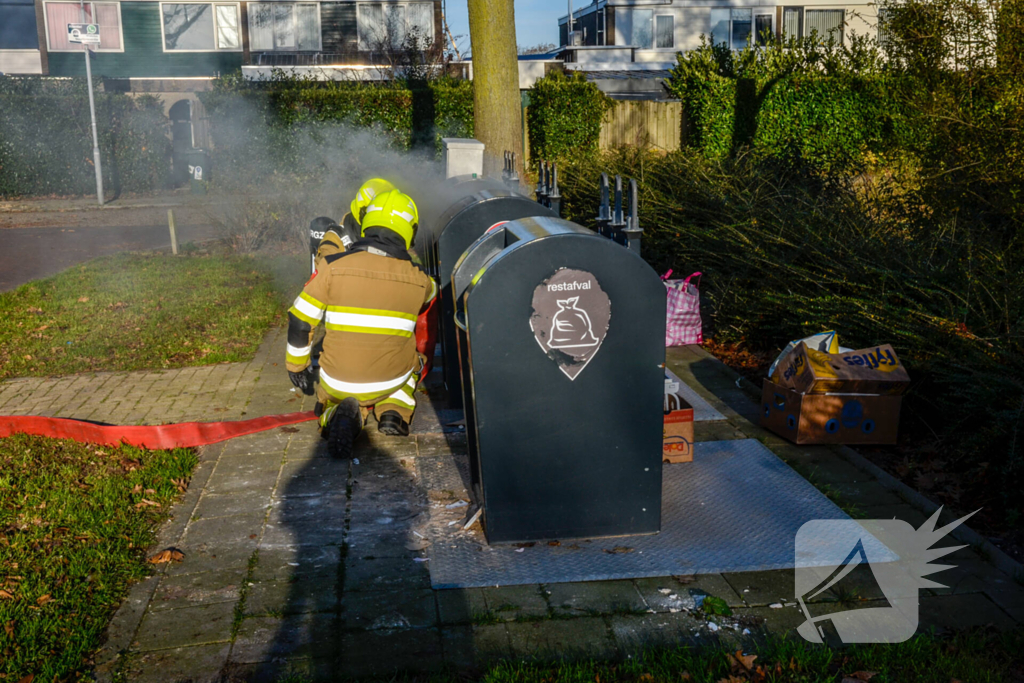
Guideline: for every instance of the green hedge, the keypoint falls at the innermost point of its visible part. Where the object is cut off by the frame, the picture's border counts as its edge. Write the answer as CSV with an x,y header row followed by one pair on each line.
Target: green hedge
x,y
565,116
46,140
826,107
283,126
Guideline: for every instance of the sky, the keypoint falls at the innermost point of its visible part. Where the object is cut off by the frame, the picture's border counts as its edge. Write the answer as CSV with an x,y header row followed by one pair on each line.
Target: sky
x,y
536,20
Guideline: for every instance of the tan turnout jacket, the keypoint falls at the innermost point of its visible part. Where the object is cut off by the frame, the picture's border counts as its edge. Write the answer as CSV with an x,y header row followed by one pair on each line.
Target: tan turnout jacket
x,y
369,303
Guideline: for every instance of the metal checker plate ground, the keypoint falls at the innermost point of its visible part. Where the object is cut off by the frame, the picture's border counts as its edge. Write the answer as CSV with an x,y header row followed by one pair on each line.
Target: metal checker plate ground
x,y
702,410
736,507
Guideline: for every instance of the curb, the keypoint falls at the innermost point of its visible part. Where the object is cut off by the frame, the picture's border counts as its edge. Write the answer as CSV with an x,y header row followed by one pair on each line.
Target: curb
x,y
962,533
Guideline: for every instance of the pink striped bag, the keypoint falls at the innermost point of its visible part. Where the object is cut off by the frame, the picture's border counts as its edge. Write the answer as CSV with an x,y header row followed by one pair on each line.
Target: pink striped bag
x,y
683,325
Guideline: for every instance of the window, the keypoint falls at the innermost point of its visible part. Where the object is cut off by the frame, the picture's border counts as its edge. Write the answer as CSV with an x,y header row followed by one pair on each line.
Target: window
x,y
395,25
284,26
18,25
763,31
739,27
635,27
200,27
825,23
664,31
792,22
59,14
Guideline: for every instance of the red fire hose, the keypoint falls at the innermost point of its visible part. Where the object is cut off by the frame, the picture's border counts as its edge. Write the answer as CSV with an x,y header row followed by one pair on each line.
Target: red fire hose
x,y
154,437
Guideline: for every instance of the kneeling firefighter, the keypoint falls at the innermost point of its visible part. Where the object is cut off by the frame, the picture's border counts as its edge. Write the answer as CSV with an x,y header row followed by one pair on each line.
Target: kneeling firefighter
x,y
327,237
369,297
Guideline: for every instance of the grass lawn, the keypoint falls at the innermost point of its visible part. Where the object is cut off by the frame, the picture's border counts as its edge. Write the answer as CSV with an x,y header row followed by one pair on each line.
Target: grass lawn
x,y
75,522
978,656
137,311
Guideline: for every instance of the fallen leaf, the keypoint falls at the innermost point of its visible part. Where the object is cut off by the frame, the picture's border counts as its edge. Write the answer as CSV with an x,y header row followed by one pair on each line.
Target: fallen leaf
x,y
618,550
685,676
554,544
145,502
82,299
167,555
526,545
745,662
150,491
289,430
9,629
685,578
137,488
4,595
863,675
646,677
28,679
43,599
252,536
732,679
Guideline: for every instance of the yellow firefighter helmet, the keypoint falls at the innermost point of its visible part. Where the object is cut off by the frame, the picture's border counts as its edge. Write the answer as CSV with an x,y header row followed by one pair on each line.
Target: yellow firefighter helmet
x,y
366,194
396,212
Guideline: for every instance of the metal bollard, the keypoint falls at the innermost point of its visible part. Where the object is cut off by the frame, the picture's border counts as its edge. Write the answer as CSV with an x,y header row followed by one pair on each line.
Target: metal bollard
x,y
554,197
513,173
618,222
541,190
632,233
604,209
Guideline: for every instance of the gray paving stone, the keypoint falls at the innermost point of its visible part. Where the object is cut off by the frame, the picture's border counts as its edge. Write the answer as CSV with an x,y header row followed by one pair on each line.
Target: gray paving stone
x,y
172,628
262,639
304,669
188,590
385,653
389,610
257,472
254,444
384,574
213,505
226,531
562,639
283,563
371,544
957,612
330,510
764,588
460,606
686,594
315,485
635,632
300,594
316,467
475,646
199,664
866,493
594,598
512,603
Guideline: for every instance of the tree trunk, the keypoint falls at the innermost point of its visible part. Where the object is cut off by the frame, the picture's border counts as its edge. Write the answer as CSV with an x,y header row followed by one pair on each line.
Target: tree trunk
x,y
498,120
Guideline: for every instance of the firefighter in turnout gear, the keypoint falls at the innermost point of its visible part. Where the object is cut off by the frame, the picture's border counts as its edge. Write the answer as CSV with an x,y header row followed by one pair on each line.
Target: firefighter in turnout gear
x,y
369,297
331,238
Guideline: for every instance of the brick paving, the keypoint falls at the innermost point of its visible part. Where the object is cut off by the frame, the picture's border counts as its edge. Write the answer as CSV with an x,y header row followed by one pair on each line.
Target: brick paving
x,y
300,566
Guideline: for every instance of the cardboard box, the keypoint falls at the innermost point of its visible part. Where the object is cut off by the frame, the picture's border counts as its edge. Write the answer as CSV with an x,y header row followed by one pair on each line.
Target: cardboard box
x,y
830,418
866,371
677,445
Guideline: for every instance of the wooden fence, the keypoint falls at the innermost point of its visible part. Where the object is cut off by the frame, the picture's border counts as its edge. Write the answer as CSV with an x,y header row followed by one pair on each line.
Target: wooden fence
x,y
643,124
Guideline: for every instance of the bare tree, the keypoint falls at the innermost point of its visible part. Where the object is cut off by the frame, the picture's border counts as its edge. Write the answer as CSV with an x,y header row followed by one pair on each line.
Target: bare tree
x,y
498,115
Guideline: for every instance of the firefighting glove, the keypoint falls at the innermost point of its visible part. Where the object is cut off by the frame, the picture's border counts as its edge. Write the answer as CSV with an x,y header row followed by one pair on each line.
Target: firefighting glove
x,y
303,380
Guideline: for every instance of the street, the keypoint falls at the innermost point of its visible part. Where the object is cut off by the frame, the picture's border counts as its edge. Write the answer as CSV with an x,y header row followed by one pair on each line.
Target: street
x,y
31,253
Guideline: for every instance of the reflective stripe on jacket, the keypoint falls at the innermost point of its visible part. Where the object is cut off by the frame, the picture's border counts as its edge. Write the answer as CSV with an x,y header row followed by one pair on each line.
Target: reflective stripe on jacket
x,y
369,303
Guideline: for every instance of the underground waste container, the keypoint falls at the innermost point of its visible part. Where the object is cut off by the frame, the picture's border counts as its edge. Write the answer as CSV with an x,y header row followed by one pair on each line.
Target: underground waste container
x,y
562,343
461,225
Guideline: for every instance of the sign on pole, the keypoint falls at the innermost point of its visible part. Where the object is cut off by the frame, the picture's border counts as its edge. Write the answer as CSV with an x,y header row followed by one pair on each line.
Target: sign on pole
x,y
88,34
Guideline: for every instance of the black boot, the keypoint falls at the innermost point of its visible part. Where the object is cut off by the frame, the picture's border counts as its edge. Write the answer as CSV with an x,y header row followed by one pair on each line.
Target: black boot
x,y
392,424
344,426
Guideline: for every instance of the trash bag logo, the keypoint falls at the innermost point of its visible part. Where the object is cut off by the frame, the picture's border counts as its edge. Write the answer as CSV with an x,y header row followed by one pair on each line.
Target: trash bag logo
x,y
570,319
885,560
571,327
